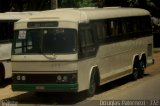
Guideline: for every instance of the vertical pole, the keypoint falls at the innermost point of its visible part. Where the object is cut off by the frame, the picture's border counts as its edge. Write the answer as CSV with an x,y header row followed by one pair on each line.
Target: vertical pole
x,y
54,4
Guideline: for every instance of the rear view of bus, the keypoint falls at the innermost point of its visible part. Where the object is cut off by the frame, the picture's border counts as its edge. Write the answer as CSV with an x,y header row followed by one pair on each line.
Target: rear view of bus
x,y
6,35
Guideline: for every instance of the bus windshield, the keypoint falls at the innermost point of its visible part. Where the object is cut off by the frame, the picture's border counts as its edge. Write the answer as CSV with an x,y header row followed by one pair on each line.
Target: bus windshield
x,y
49,41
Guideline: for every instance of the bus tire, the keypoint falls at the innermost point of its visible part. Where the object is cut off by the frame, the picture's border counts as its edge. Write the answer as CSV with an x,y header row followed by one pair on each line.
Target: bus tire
x,y
135,72
92,86
141,69
1,73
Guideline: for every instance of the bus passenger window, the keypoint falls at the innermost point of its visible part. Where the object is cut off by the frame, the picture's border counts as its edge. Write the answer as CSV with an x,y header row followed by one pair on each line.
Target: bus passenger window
x,y
89,38
86,43
108,29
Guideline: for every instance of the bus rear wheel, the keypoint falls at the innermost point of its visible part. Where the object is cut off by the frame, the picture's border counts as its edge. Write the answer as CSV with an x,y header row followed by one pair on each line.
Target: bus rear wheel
x,y
135,72
141,69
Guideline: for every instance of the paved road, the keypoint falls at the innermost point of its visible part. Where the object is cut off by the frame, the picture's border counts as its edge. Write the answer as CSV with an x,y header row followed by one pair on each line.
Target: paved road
x,y
147,88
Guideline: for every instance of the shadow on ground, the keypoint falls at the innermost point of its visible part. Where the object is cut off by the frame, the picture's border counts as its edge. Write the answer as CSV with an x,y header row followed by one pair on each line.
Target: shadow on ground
x,y
5,83
48,98
116,83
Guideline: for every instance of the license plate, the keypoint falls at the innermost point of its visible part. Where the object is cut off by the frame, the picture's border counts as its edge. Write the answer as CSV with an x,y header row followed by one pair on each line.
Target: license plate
x,y
40,88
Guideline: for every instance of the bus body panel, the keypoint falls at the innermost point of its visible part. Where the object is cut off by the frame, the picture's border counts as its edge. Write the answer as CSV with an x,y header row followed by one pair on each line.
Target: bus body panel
x,y
47,67
7,67
122,56
46,57
5,58
5,51
83,75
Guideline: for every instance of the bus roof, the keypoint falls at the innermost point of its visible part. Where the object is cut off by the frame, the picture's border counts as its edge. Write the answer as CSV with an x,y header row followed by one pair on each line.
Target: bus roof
x,y
15,15
86,14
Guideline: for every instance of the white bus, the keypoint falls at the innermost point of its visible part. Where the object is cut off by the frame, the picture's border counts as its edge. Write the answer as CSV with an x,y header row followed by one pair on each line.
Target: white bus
x,y
6,34
72,50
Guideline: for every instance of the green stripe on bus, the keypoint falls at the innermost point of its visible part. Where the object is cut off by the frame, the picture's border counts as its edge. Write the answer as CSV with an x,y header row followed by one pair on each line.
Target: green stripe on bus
x,y
45,87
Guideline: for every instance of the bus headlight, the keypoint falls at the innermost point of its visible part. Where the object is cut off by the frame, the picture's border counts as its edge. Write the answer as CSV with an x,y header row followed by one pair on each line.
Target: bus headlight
x,y
66,78
18,78
59,78
23,78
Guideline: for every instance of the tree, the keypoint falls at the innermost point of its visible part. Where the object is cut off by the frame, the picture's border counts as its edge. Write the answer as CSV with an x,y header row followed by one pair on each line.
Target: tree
x,y
151,5
37,5
76,3
86,3
67,3
133,3
5,5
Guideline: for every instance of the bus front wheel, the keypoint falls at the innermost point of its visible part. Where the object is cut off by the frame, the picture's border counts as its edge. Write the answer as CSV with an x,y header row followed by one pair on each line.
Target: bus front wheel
x,y
92,86
135,74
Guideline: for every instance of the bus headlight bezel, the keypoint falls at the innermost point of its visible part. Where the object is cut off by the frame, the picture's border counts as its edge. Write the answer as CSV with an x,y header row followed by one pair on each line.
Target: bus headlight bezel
x,y
20,77
66,78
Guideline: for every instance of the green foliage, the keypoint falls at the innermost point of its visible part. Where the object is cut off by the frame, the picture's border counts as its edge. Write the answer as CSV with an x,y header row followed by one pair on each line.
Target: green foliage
x,y
77,3
133,3
141,3
37,5
86,3
68,3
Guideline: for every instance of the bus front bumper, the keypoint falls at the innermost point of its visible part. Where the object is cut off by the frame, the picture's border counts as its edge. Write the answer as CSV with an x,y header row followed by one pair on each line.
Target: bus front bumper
x,y
45,87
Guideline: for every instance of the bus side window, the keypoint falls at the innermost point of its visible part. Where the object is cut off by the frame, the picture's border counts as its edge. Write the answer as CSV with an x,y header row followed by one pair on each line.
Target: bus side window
x,y
117,27
112,28
128,27
146,23
101,31
86,42
108,28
